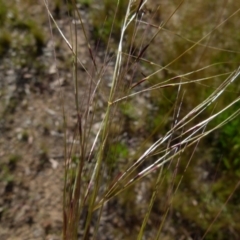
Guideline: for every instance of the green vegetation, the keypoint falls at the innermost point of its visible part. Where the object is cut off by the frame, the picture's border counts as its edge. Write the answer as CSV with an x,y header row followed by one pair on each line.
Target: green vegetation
x,y
85,3
108,20
22,29
115,153
7,169
5,42
43,156
227,144
13,160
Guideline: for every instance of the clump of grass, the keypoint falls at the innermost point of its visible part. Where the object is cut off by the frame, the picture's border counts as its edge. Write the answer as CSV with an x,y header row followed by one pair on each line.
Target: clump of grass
x,y
22,38
85,3
5,42
43,156
106,21
3,13
33,30
13,160
6,171
167,158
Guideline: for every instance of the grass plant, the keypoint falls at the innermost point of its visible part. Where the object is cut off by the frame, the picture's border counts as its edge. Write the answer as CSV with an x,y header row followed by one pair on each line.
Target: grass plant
x,y
172,78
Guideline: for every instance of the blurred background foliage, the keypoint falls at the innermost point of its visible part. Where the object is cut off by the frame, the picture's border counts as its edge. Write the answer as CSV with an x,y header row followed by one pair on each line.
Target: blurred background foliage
x,y
214,168
19,26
